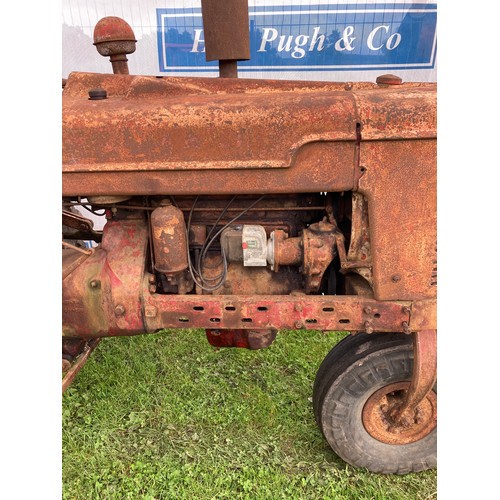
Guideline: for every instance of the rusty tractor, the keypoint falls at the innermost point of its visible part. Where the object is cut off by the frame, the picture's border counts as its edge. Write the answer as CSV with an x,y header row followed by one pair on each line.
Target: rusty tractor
x,y
243,207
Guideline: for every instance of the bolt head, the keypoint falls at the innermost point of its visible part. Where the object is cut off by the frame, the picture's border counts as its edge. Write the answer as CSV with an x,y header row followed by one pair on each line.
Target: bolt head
x,y
150,311
119,310
388,80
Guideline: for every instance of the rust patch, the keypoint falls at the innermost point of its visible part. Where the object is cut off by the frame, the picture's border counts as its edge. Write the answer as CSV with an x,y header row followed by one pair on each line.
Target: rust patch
x,y
379,422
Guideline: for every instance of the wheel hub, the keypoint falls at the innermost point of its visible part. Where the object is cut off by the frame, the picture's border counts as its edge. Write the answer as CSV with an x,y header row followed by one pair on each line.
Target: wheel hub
x,y
381,415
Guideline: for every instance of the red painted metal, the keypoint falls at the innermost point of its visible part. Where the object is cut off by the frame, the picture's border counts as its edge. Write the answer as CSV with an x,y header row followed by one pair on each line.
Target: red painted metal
x,y
247,339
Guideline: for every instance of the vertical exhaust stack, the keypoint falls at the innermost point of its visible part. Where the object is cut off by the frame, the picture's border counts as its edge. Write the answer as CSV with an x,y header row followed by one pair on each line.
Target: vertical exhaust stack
x,y
226,33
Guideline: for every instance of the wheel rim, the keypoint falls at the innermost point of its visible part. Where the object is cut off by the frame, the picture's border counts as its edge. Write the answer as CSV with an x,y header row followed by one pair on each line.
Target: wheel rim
x,y
381,407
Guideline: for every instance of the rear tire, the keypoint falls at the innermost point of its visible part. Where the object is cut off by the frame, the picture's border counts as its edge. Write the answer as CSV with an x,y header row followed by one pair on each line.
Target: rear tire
x,y
360,381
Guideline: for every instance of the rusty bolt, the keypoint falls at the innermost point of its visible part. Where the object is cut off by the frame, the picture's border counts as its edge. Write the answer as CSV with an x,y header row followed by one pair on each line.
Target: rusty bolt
x,y
406,327
95,284
368,327
152,279
150,311
119,310
97,94
396,278
152,288
388,80
406,310
367,310
298,307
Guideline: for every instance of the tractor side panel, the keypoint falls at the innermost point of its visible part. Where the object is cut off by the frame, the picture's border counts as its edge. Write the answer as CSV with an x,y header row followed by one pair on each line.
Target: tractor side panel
x,y
399,181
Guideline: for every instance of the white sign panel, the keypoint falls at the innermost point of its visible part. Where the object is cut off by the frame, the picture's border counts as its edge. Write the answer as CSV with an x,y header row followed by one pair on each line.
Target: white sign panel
x,y
292,39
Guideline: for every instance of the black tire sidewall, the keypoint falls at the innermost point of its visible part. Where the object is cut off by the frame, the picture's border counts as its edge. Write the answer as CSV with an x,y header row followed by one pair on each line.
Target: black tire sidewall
x,y
341,415
348,351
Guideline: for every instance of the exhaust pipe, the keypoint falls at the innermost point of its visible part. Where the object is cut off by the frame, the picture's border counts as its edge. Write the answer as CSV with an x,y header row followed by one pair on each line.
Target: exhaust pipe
x,y
226,34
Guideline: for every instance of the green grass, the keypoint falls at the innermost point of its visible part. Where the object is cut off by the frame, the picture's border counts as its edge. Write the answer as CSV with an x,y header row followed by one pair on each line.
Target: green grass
x,y
168,416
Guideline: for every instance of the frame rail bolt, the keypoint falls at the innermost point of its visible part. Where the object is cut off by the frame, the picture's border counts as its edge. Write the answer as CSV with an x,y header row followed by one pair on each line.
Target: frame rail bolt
x,y
119,310
95,284
150,311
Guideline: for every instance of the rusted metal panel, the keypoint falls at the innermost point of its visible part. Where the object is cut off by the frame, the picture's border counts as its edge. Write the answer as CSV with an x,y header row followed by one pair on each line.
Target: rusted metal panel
x,y
396,112
399,181
423,315
149,137
307,174
201,131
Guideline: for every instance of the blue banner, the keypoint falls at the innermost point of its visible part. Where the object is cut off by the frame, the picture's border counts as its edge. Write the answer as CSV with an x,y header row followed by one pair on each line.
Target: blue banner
x,y
381,36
